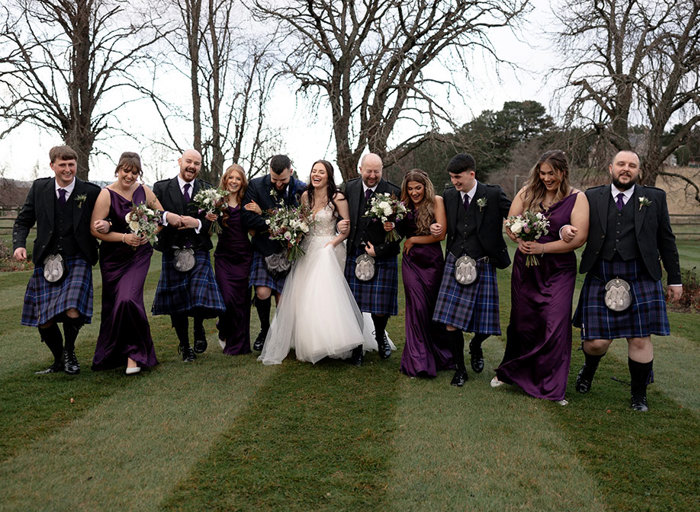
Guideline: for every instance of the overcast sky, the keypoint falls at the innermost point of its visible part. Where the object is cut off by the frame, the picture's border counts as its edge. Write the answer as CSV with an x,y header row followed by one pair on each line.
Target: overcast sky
x,y
305,138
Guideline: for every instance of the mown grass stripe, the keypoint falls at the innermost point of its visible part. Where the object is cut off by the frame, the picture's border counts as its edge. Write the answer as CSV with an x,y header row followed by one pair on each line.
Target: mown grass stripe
x,y
313,438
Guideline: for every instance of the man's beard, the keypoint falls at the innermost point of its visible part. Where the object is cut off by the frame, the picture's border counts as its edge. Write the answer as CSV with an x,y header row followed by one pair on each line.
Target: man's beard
x,y
623,186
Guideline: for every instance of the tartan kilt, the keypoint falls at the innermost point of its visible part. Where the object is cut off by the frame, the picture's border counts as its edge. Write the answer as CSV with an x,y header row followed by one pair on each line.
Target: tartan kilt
x,y
470,308
259,276
379,295
646,316
44,301
190,292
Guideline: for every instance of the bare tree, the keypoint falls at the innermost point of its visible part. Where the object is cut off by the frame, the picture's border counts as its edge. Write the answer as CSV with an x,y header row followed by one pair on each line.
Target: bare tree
x,y
371,61
634,62
66,64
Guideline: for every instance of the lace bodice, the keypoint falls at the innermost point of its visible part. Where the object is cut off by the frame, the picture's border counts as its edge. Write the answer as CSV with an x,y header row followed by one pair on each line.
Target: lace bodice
x,y
324,224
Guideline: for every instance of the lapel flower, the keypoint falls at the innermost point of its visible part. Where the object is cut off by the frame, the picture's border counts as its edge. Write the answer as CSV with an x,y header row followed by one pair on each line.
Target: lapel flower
x,y
643,201
481,202
80,200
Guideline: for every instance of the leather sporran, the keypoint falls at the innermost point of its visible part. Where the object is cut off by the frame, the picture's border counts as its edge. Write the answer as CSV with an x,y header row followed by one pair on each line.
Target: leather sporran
x,y
617,294
54,268
364,267
277,264
184,260
465,270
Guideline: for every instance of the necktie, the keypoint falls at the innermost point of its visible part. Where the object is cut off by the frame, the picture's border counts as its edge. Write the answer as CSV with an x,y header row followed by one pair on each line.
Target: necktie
x,y
62,196
368,194
620,203
466,202
187,192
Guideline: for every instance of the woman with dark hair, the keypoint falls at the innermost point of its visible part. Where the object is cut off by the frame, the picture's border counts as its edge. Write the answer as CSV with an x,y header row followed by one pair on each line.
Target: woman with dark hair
x,y
232,259
125,336
421,267
538,347
318,316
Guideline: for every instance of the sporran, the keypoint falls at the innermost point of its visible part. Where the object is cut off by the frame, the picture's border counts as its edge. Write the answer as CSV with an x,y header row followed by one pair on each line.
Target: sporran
x,y
617,294
54,268
364,267
184,260
465,270
278,264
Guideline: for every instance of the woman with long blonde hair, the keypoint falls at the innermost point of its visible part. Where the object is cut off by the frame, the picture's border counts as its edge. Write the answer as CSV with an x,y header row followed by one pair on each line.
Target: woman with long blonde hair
x,y
421,267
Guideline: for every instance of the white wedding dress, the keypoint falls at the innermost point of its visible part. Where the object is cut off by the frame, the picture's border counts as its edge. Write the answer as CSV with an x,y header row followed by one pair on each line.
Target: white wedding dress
x,y
317,315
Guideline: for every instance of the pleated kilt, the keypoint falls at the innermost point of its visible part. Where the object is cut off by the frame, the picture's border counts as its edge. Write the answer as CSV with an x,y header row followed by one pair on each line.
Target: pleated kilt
x,y
259,276
470,308
646,316
44,301
379,295
190,292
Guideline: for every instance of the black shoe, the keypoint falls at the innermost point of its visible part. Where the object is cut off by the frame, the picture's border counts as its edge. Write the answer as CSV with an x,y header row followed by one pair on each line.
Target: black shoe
x,y
188,354
260,341
384,349
56,367
639,403
70,362
583,383
356,357
460,377
200,345
476,356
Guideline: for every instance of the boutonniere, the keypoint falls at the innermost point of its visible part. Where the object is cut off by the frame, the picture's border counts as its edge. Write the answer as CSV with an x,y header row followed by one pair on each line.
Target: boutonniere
x,y
481,202
643,201
80,200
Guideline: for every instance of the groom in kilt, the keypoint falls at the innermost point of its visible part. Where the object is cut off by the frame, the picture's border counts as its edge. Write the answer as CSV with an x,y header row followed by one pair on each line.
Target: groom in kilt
x,y
378,295
186,286
277,189
61,208
630,233
475,213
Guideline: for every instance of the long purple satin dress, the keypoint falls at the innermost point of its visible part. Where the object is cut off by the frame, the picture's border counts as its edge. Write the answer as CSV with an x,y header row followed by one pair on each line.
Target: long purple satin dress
x,y
124,329
424,352
538,348
232,260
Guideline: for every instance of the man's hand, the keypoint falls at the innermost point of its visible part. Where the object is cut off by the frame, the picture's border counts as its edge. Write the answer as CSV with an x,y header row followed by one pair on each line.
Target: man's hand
x,y
20,254
369,249
436,229
173,219
188,222
343,226
674,292
568,232
102,226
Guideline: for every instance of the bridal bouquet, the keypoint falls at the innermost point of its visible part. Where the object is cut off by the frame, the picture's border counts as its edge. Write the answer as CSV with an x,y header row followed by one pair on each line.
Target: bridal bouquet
x,y
387,208
143,221
529,226
290,225
211,200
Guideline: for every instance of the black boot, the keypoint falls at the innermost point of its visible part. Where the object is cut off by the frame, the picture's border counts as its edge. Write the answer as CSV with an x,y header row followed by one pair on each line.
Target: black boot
x,y
640,375
52,337
357,355
200,336
383,346
263,308
71,328
584,379
181,325
476,355
457,345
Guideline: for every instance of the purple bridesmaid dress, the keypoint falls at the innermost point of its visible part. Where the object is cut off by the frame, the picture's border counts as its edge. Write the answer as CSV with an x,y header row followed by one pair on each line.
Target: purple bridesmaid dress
x,y
422,270
124,329
232,260
538,347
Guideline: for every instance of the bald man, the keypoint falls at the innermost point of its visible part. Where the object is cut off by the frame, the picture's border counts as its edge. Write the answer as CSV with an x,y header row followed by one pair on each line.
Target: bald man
x,y
186,286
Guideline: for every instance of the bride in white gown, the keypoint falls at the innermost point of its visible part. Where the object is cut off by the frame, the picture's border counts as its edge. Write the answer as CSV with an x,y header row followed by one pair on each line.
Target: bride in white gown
x,y
317,315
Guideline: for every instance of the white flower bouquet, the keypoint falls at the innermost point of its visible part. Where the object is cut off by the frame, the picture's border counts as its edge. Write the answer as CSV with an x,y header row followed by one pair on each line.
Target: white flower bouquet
x,y
211,200
529,226
144,221
290,225
387,208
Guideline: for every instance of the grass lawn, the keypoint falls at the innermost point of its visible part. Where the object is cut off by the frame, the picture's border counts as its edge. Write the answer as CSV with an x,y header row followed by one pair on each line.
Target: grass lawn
x,y
227,433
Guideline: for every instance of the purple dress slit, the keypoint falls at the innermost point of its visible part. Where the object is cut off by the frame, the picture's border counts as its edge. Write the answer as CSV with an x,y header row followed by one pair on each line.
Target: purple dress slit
x,y
538,346
124,329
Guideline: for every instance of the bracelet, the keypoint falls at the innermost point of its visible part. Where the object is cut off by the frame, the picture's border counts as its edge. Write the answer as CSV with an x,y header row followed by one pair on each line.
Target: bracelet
x,y
124,238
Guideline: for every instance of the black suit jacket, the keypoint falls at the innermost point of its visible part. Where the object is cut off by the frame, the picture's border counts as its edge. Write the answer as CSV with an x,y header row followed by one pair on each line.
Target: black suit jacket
x,y
170,196
39,208
363,229
489,220
652,228
259,191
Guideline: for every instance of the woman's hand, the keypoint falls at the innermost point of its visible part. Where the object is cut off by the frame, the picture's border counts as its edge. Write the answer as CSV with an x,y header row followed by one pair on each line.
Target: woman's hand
x,y
211,217
369,249
512,236
530,247
407,245
133,240
253,207
330,244
388,226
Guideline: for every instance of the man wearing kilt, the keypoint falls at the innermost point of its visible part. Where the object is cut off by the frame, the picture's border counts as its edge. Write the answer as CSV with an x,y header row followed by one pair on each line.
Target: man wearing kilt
x,y
475,214
622,296
61,208
186,286
277,189
377,296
